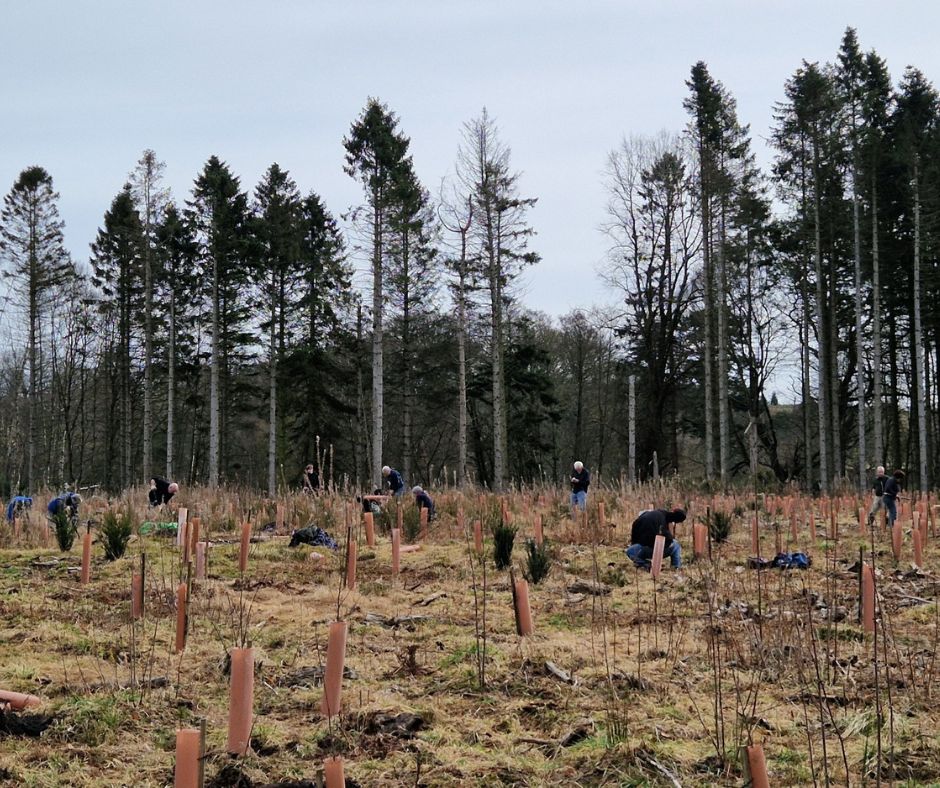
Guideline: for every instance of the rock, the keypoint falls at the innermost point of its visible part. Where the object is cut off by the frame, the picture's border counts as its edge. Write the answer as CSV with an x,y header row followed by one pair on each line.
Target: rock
x,y
588,587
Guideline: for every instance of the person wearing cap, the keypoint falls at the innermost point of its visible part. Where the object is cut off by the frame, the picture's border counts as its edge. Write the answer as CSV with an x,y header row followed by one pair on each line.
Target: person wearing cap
x,y
423,500
394,481
161,491
67,503
646,528
580,480
878,488
17,506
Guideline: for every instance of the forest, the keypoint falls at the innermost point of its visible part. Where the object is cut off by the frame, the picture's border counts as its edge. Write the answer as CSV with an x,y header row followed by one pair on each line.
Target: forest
x,y
777,327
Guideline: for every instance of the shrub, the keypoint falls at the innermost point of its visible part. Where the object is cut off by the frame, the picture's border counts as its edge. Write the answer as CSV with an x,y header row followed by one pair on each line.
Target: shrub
x,y
719,528
116,530
411,523
538,561
503,538
65,531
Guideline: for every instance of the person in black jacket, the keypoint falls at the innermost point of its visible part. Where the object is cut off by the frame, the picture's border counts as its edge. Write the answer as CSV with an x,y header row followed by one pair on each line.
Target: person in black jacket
x,y
311,484
423,500
893,488
878,488
161,491
580,481
394,481
643,535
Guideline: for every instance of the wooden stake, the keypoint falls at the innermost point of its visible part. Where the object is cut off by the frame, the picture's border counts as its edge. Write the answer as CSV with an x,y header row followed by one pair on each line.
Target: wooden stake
x,y
351,550
396,551
86,558
181,617
868,598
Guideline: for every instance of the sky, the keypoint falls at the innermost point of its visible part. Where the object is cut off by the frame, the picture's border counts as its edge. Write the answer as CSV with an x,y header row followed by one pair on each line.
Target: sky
x,y
87,86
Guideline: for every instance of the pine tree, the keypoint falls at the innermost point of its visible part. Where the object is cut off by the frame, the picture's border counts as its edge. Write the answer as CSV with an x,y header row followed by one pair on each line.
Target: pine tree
x,y
117,257
375,153
218,213
32,247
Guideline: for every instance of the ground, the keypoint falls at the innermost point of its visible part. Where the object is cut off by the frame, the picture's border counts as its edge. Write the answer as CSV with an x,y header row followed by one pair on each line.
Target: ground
x,y
656,682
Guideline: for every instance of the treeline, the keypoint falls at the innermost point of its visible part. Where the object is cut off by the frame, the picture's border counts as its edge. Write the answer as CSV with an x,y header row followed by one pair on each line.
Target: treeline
x,y
223,338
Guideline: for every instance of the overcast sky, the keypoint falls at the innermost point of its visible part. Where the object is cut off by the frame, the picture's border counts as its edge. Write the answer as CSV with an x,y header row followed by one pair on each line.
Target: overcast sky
x,y
86,86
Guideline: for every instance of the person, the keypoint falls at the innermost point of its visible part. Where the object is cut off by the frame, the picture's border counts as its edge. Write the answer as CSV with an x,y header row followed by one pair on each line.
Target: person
x,y
424,501
643,535
580,479
878,488
893,488
67,503
311,480
161,490
372,503
17,506
394,481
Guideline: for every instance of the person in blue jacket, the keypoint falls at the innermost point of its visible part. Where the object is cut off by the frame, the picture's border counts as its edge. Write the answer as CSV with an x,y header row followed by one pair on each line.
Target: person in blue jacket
x,y
67,502
17,506
423,500
394,481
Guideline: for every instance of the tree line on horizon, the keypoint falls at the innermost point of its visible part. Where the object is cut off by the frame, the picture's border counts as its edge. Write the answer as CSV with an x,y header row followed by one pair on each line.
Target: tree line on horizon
x,y
222,338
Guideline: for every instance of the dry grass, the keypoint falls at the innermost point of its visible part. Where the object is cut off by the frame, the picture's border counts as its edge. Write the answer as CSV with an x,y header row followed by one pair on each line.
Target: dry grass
x,y
791,663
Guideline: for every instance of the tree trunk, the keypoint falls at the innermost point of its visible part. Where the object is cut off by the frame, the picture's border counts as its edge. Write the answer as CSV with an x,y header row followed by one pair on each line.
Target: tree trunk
x,y
877,418
272,395
859,339
378,393
462,367
709,341
148,342
214,382
170,384
407,399
723,415
823,344
631,457
922,479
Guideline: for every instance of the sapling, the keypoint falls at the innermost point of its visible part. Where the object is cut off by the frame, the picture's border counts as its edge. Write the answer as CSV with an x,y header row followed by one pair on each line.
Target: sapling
x,y
503,538
538,561
115,532
65,531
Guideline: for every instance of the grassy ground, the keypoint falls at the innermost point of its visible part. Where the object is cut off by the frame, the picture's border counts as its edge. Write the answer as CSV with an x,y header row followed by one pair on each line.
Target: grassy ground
x,y
668,679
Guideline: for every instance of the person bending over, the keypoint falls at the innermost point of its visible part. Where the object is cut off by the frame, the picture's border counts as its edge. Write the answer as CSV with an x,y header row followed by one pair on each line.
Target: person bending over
x,y
643,535
161,491
394,481
423,500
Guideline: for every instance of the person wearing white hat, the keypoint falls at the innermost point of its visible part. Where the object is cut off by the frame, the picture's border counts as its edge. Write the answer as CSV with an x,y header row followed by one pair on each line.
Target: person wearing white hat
x,y
580,481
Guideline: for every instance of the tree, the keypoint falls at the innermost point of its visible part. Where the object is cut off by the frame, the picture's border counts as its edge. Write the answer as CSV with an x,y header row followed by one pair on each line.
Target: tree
x,y
151,199
32,246
375,154
218,213
278,235
116,258
501,234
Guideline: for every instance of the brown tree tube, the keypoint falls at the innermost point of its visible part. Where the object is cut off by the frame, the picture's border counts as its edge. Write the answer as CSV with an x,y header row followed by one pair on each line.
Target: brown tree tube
x,y
279,517
184,536
333,674
757,766
897,536
243,553
656,565
18,700
193,534
918,538
369,522
86,558
201,560
423,519
396,550
868,598
523,609
333,773
241,696
181,606
536,530
699,535
188,746
351,549
137,596
478,536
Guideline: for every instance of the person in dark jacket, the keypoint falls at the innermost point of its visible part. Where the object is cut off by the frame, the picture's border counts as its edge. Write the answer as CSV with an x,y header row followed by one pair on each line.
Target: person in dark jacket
x,y
66,503
423,500
893,488
643,535
311,480
394,481
18,505
580,481
878,488
161,491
